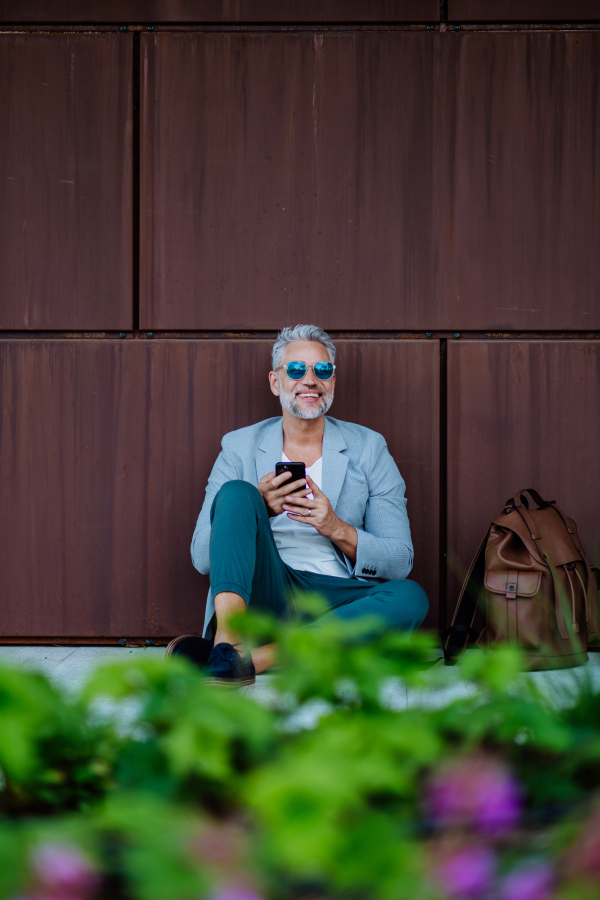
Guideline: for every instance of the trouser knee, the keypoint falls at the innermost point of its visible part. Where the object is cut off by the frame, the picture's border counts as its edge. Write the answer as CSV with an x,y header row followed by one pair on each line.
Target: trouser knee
x,y
416,598
239,494
408,602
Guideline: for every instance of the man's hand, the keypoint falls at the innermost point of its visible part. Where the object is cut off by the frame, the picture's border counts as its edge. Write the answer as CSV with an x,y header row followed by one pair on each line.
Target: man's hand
x,y
319,513
274,490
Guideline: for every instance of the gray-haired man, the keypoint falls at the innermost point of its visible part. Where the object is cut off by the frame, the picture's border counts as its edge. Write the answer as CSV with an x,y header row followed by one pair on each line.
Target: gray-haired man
x,y
263,539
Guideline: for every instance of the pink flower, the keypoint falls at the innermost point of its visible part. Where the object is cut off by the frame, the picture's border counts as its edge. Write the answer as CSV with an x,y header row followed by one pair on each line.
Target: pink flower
x,y
477,792
467,874
529,882
63,872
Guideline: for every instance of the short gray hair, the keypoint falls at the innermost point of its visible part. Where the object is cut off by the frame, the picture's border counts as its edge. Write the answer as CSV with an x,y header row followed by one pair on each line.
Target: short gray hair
x,y
301,333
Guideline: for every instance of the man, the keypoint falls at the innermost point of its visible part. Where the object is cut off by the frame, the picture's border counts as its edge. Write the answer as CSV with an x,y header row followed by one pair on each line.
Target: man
x,y
343,532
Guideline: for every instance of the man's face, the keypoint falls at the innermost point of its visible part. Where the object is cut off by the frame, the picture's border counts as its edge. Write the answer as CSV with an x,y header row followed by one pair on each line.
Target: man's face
x,y
307,398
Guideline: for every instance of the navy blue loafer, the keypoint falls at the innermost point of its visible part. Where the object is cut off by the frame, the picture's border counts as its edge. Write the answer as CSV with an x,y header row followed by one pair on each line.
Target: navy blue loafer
x,y
227,666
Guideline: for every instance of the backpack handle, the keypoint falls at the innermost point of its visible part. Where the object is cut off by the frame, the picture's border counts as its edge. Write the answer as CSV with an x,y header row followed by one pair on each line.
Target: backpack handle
x,y
518,500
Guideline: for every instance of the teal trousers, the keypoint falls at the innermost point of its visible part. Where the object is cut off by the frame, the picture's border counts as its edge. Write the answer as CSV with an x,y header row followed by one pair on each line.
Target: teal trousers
x,y
244,559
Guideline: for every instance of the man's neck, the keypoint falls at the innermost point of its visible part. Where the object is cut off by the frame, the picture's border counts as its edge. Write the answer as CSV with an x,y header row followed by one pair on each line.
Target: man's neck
x,y
303,437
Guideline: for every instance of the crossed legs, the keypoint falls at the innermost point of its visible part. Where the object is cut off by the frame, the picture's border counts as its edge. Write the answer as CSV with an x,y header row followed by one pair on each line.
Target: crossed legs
x,y
246,569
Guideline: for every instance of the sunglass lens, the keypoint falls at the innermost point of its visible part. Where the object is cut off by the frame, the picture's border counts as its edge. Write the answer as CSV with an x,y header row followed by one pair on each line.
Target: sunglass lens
x,y
296,370
323,370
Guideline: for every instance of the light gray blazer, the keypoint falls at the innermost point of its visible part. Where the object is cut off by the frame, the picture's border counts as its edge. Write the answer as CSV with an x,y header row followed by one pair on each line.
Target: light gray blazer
x,y
360,478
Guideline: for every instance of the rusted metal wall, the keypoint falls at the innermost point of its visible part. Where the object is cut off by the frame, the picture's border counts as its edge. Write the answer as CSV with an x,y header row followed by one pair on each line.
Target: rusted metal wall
x,y
453,180
519,197
72,468
189,11
523,11
66,182
520,414
105,449
389,181
315,187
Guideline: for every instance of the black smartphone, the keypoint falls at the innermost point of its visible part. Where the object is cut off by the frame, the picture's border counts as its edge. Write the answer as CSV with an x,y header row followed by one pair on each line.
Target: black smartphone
x,y
298,471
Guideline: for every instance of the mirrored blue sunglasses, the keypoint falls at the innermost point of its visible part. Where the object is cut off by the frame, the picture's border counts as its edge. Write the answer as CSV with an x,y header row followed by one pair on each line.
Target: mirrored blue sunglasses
x,y
297,370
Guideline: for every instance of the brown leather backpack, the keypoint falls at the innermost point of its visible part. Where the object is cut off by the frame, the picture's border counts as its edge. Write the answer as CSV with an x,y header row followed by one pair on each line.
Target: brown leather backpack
x,y
533,584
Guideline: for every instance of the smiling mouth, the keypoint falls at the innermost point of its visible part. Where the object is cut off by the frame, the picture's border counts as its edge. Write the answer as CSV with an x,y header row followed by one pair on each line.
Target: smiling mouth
x,y
309,395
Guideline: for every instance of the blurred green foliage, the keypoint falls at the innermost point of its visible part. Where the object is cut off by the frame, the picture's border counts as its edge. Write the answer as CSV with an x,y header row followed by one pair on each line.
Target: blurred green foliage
x,y
171,789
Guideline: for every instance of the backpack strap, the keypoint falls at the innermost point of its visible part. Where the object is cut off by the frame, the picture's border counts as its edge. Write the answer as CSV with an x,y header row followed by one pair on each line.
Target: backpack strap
x,y
458,634
518,499
591,600
591,593
591,597
560,601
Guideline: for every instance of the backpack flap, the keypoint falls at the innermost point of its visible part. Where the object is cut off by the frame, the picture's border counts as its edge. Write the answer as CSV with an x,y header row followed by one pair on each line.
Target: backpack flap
x,y
513,583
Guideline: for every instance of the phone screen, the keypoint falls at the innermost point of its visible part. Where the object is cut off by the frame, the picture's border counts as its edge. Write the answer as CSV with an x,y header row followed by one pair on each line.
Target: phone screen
x,y
298,470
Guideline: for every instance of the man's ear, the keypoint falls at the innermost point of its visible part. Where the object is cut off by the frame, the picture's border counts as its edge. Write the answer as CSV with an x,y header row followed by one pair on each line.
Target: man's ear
x,y
274,383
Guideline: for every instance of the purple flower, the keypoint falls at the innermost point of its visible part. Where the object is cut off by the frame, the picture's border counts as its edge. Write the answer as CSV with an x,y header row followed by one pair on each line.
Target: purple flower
x,y
477,792
528,882
467,874
63,872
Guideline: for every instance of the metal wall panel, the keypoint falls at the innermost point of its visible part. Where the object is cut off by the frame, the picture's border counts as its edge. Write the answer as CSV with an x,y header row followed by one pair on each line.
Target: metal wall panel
x,y
270,11
520,193
282,170
66,182
105,450
72,468
520,415
398,181
523,11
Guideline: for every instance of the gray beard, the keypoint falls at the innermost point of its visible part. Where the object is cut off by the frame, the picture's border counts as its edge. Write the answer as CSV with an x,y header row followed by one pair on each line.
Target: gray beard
x,y
290,404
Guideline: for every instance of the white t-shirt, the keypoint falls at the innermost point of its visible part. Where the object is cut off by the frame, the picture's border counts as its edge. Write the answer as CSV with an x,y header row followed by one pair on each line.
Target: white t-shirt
x,y
301,546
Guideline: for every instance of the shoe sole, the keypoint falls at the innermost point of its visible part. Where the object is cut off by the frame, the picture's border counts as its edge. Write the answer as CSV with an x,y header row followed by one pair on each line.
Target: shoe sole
x,y
231,682
170,646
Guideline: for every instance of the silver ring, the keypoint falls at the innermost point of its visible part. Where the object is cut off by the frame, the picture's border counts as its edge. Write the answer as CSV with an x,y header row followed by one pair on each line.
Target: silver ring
x,y
309,511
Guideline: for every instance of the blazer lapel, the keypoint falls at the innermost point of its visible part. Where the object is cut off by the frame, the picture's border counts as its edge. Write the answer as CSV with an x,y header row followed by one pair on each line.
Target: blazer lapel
x,y
335,462
270,449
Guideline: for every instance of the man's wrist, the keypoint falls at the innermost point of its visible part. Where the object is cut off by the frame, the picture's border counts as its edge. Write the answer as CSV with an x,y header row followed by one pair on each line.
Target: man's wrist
x,y
346,538
340,531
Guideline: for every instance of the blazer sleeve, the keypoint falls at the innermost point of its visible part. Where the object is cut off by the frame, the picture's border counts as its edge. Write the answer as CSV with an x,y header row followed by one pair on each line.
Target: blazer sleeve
x,y
385,549
223,470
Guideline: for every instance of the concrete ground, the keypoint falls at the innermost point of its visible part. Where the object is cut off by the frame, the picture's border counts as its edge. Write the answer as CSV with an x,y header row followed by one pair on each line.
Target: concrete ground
x,y
69,667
